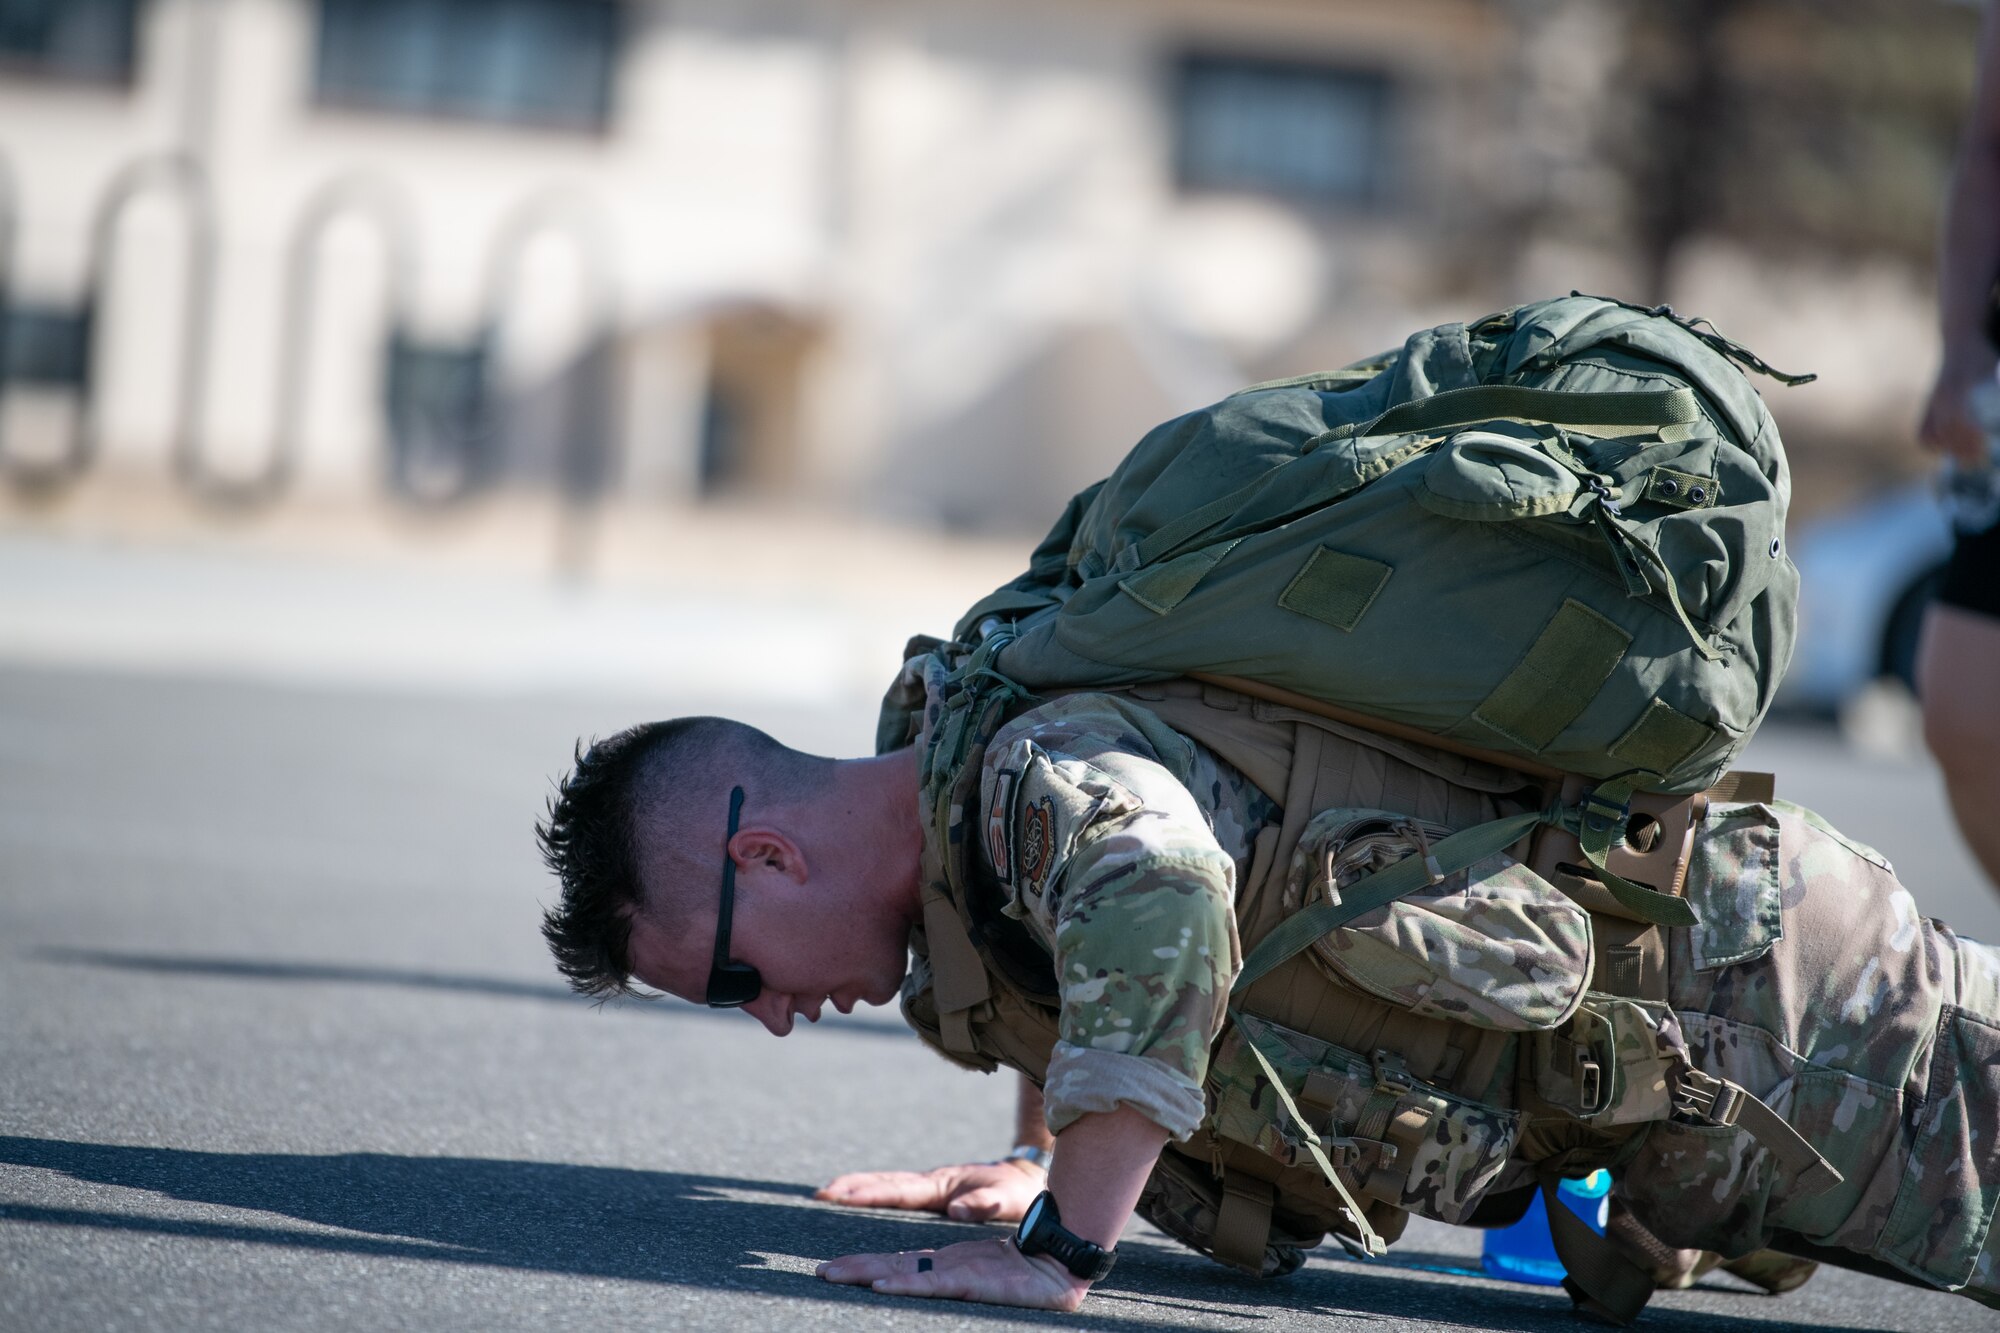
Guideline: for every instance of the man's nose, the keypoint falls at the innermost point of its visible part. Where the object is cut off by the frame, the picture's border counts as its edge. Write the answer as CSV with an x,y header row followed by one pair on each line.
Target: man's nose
x,y
773,1010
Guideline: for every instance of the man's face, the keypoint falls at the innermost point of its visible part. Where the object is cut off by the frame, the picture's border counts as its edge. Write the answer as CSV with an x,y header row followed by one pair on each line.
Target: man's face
x,y
813,944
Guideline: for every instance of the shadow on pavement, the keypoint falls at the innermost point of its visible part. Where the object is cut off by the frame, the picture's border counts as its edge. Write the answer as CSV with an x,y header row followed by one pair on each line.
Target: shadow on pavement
x,y
250,969
697,1231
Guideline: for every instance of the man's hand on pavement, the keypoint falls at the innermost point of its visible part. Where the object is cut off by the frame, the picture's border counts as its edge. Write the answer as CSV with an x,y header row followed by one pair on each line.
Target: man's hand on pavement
x,y
976,1270
974,1192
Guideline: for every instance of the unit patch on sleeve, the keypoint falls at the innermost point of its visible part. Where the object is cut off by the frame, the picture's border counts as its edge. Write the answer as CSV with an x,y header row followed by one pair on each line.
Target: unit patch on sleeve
x,y
1041,803
998,811
1036,846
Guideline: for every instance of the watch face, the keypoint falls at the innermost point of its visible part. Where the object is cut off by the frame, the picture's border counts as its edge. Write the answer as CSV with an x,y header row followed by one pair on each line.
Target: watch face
x,y
1032,1218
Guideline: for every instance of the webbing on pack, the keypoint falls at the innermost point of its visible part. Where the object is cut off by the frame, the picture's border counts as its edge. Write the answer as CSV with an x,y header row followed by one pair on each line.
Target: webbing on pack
x,y
1371,1240
1443,411
1492,402
1602,811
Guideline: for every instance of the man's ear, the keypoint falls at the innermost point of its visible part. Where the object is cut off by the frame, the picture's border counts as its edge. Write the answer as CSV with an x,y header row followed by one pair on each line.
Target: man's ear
x,y
754,848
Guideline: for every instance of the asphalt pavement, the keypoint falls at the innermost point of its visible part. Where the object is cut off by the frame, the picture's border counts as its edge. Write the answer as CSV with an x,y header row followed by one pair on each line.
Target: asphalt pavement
x,y
280,1049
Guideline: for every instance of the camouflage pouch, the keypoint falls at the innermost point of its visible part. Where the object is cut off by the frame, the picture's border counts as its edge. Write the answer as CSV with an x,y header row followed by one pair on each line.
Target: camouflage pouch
x,y
1184,1199
1495,946
1613,1063
1399,1141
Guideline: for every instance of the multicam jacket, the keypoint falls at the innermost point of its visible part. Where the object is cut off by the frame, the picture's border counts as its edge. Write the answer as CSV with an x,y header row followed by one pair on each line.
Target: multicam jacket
x,y
1121,851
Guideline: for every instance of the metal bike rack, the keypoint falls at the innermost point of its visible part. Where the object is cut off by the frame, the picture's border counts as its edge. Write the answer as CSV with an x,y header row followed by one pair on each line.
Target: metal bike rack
x,y
588,434
362,195
183,177
9,210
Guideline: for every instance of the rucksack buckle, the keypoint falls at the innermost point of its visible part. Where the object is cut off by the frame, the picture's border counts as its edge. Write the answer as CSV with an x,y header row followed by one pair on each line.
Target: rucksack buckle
x,y
1344,1153
1589,1086
1712,1100
1392,1076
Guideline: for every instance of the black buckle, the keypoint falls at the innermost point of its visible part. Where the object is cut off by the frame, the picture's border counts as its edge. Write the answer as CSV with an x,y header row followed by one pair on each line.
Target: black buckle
x,y
1711,1100
1391,1074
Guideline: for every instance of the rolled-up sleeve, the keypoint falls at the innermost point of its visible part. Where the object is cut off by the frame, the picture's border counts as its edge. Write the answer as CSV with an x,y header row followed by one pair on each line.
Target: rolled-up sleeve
x,y
1107,857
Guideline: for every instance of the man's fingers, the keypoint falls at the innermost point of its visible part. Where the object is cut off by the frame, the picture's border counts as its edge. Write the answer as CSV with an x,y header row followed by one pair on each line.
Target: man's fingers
x,y
884,1189
938,1284
989,1271
980,1205
862,1269
875,1269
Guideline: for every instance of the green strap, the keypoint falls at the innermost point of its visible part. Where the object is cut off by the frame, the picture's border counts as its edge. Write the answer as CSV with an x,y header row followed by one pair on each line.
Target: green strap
x,y
1455,407
1371,1240
1447,857
1489,402
1193,523
1600,822
1667,585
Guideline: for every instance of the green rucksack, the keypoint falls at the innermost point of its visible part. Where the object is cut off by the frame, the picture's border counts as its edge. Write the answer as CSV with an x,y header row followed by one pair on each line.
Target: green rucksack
x,y
1555,534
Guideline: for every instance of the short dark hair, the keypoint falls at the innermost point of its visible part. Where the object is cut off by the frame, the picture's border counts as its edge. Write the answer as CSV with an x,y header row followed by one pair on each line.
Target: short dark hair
x,y
591,836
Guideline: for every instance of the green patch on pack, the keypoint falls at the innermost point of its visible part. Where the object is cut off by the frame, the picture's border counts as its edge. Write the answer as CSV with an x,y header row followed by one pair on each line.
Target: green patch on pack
x,y
1572,657
1661,739
1161,588
1335,588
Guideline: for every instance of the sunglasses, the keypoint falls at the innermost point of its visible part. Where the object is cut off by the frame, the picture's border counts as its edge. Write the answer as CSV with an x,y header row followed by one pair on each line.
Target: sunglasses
x,y
731,984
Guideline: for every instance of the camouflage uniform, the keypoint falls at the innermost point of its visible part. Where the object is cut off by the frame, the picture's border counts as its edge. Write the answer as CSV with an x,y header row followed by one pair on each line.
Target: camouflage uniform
x,y
1811,982
1122,851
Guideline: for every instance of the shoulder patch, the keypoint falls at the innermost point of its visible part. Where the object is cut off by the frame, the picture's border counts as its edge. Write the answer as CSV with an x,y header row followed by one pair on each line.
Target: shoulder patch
x,y
999,849
1040,805
1035,845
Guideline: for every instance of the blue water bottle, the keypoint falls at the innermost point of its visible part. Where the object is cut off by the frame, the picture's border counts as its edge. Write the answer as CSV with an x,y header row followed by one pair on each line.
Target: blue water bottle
x,y
1525,1252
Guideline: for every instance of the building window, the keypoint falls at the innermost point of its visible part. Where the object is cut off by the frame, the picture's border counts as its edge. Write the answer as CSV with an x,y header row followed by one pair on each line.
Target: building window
x,y
44,346
1307,131
545,63
90,40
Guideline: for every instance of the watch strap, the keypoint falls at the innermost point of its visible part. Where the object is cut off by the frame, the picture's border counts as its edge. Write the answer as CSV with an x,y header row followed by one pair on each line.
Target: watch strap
x,y
1084,1259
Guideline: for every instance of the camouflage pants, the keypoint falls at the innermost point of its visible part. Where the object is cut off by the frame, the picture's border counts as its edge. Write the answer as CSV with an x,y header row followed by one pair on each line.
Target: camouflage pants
x,y
1813,982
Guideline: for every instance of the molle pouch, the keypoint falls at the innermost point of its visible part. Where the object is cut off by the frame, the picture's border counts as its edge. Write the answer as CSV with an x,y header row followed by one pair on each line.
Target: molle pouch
x,y
1186,1199
1397,1140
1495,946
1611,1064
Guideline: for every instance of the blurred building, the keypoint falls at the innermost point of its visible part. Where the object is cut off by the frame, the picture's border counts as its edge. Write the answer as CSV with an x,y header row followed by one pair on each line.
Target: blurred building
x,y
943,259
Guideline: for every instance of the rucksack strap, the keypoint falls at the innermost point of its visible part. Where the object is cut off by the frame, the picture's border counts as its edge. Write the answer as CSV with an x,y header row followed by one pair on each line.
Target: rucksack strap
x,y
1370,1240
1603,1282
1490,402
1454,407
1717,1101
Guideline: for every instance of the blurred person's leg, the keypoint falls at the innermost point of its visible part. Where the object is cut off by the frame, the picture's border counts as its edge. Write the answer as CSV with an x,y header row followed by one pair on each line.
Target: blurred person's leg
x,y
1958,679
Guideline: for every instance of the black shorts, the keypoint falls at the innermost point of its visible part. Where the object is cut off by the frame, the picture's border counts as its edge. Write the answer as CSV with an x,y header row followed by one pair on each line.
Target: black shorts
x,y
1972,575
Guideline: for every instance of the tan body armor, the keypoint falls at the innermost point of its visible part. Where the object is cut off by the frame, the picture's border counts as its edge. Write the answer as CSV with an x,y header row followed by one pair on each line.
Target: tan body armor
x,y
1414,1112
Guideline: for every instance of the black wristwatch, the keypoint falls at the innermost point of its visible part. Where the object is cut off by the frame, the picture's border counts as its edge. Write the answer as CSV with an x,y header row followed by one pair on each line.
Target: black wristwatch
x,y
1042,1232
